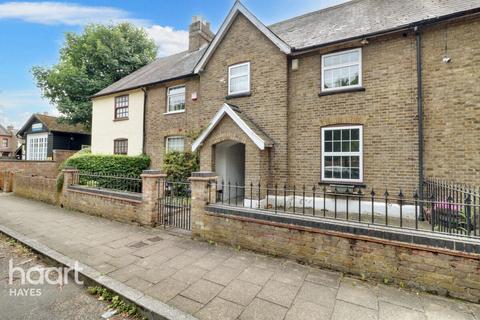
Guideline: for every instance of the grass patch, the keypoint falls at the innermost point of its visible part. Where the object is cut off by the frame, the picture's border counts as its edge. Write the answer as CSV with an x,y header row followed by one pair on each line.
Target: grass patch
x,y
115,301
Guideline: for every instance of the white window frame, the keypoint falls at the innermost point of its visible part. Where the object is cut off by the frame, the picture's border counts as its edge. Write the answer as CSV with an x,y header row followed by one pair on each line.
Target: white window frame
x,y
360,69
173,137
4,142
37,151
229,77
168,98
358,153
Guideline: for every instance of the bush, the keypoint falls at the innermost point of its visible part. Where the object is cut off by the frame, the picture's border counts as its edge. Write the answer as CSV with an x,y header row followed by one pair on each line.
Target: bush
x,y
178,166
108,164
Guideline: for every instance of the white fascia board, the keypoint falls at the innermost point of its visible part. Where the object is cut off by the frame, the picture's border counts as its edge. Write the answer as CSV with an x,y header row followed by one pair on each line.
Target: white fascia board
x,y
226,109
236,9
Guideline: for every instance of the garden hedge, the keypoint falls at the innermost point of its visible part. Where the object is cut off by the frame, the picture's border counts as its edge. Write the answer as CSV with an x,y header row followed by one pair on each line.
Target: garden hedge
x,y
108,164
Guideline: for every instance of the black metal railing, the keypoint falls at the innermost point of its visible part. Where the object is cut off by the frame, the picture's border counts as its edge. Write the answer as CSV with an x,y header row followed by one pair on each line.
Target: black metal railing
x,y
174,204
116,182
388,208
456,208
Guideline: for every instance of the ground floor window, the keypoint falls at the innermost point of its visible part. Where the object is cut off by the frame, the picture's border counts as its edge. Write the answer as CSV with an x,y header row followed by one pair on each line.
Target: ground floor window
x,y
120,146
37,146
175,144
342,154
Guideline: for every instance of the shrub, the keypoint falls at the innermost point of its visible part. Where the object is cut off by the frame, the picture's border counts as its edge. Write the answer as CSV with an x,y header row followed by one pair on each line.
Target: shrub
x,y
108,164
178,166
105,165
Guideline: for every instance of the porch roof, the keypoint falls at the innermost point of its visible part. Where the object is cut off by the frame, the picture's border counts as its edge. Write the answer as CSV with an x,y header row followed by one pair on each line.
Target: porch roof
x,y
261,139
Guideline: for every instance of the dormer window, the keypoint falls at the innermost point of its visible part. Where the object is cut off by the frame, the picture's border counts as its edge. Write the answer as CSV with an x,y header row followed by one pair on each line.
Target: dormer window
x,y
342,70
239,78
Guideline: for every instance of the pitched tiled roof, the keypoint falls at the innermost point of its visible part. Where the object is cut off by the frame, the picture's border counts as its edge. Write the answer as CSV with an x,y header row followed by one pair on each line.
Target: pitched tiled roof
x,y
54,124
352,19
162,69
359,18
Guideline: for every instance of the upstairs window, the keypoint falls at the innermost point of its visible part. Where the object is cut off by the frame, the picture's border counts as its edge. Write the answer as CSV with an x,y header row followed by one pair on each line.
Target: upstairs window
x,y
121,107
342,154
176,99
120,146
5,142
175,144
239,78
342,70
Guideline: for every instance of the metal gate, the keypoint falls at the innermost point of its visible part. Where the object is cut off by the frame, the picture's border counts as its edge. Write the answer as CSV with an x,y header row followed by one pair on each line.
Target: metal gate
x,y
175,204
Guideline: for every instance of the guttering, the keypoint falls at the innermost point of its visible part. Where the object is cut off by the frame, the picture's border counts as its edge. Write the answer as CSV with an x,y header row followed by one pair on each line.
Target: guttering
x,y
145,96
410,26
418,45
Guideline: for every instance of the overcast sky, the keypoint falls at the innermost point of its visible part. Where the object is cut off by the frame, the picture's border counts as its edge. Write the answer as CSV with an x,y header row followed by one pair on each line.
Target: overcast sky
x,y
31,33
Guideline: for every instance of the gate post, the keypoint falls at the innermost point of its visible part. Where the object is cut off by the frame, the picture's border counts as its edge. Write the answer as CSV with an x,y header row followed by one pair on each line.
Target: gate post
x,y
151,192
204,189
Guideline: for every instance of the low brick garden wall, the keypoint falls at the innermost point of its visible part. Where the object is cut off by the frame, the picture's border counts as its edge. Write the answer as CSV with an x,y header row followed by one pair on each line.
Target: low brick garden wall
x,y
37,188
440,264
140,208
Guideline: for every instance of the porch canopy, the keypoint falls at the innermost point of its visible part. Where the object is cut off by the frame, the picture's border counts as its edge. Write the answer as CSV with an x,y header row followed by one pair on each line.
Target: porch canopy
x,y
253,132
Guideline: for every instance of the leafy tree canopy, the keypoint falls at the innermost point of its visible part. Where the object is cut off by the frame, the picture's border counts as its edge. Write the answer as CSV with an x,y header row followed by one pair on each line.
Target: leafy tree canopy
x,y
90,62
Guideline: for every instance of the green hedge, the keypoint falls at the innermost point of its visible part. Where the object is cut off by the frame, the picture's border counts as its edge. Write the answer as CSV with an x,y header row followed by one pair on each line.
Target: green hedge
x,y
178,166
108,164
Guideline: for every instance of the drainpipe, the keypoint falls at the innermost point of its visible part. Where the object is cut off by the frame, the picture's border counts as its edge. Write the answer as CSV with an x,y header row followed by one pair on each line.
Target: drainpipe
x,y
418,38
145,92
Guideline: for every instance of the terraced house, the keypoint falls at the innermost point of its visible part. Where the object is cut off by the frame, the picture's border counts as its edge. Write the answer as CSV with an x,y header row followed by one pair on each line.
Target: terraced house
x,y
369,93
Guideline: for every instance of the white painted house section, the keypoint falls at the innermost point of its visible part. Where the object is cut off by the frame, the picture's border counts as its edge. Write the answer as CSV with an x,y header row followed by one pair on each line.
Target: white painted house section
x,y
105,129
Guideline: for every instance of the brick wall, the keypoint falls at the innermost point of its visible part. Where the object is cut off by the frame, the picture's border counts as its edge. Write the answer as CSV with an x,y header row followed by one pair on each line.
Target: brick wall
x,y
110,207
452,101
386,109
138,208
34,168
159,126
37,188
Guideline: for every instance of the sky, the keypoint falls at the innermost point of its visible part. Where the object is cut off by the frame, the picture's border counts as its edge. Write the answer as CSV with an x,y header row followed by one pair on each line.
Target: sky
x,y
31,33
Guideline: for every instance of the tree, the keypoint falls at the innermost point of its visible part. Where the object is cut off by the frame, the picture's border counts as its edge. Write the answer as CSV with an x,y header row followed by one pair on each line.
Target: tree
x,y
90,62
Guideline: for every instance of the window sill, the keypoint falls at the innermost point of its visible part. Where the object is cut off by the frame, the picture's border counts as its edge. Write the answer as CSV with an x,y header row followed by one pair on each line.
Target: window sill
x,y
174,112
358,184
328,93
120,119
238,95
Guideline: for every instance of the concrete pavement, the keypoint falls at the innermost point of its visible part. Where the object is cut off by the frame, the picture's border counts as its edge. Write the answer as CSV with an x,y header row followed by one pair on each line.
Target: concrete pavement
x,y
214,281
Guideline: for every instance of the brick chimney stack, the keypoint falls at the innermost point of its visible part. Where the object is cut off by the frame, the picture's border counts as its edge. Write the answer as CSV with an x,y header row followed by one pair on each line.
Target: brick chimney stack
x,y
10,128
199,33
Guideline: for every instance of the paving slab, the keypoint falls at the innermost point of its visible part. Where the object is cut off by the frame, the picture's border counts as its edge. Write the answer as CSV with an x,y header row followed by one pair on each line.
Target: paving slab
x,y
388,311
220,309
318,294
349,311
240,292
202,291
307,310
279,293
263,310
358,293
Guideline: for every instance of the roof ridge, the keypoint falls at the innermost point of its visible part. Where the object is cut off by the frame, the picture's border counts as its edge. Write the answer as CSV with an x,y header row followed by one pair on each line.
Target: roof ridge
x,y
347,2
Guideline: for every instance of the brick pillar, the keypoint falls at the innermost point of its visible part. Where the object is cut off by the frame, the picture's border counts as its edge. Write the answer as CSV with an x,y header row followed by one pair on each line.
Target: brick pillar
x,y
204,189
152,190
70,176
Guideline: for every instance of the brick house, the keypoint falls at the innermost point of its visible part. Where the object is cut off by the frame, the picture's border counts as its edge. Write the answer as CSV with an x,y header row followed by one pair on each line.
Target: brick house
x,y
369,93
8,141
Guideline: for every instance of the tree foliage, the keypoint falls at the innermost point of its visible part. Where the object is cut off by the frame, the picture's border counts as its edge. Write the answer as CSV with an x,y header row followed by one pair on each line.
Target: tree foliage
x,y
90,62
